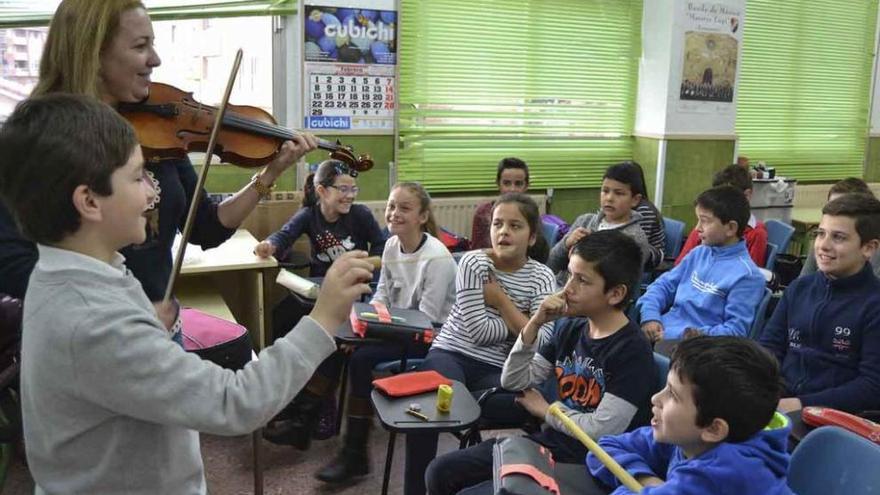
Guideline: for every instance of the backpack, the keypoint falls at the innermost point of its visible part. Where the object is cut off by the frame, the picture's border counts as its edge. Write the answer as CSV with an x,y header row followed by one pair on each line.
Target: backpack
x,y
453,242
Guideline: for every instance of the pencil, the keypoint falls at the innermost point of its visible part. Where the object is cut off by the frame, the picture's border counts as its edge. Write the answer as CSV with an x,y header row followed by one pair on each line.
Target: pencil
x,y
417,414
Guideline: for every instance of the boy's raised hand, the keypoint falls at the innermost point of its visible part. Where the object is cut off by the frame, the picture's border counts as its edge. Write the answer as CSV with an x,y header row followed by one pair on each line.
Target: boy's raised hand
x,y
574,236
347,279
552,307
264,249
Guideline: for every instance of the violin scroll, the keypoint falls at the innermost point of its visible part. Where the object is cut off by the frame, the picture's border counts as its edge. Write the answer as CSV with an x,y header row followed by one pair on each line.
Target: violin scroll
x,y
345,154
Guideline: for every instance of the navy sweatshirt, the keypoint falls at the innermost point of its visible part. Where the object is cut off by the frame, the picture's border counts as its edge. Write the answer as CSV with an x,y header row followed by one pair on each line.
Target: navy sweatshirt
x,y
826,335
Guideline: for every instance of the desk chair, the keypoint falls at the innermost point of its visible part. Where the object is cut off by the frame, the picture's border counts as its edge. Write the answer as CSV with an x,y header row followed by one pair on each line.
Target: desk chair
x,y
779,233
760,315
770,259
674,237
833,460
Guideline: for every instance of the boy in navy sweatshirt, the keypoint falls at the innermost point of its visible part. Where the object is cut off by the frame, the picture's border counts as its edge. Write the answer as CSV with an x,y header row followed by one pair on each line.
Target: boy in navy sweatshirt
x,y
714,428
717,287
825,332
602,364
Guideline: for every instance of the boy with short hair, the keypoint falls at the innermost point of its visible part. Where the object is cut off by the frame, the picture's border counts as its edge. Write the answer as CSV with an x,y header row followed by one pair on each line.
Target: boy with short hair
x,y
618,200
754,232
825,332
512,176
714,428
717,287
603,366
845,186
100,374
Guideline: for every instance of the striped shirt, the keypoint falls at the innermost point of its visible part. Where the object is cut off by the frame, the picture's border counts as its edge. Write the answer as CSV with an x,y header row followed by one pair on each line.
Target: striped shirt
x,y
477,330
652,225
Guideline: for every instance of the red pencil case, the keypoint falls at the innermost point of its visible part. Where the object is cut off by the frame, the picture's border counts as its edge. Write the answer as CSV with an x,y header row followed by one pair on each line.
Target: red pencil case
x,y
413,383
378,321
825,416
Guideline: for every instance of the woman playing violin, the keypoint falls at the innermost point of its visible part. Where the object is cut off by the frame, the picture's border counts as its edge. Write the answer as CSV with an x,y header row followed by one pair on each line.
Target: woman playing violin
x,y
105,49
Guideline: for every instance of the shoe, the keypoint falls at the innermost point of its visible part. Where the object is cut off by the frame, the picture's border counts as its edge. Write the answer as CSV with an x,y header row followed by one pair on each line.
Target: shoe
x,y
297,430
353,459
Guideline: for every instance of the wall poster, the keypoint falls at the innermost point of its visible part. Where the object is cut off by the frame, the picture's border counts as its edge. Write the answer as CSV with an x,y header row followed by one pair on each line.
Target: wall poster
x,y
350,57
712,33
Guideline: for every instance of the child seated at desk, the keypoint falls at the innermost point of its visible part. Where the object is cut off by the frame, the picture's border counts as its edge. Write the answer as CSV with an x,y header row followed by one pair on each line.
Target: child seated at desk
x,y
110,403
714,428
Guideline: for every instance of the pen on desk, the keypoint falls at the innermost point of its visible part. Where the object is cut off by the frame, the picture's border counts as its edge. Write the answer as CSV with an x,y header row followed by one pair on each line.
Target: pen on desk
x,y
417,414
374,315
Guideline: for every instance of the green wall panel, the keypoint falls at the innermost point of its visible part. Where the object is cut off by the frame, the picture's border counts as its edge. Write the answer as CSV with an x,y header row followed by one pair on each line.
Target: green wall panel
x,y
872,165
690,165
645,154
570,203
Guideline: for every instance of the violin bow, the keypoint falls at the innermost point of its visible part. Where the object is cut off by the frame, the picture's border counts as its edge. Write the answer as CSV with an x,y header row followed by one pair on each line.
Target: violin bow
x,y
209,155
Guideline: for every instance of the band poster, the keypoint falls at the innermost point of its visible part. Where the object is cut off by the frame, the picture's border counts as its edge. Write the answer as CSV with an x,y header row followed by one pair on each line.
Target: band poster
x,y
712,33
350,57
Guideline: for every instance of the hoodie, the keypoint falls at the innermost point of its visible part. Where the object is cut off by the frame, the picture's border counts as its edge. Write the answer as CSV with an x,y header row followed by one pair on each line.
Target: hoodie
x,y
756,466
826,335
716,289
558,260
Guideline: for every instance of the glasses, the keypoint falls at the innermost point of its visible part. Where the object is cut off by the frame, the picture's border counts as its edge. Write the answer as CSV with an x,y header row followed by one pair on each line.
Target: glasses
x,y
346,190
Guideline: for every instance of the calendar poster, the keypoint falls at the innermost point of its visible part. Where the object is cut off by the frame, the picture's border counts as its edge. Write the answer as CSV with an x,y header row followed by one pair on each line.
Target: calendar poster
x,y
350,56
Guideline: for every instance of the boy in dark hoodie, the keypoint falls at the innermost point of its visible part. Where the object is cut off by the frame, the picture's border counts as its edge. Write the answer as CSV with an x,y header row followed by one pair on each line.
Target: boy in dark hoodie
x,y
714,428
825,332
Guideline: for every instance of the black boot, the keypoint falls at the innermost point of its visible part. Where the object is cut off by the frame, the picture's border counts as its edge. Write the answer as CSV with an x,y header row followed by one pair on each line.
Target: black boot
x,y
352,460
296,423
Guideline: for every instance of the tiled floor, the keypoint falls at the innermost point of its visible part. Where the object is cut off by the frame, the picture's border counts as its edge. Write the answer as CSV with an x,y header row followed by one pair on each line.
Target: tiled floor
x,y
229,463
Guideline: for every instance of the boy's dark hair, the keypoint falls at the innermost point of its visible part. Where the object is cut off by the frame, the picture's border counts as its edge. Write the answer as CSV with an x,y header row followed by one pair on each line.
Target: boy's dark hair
x,y
51,145
529,210
733,175
733,379
862,208
511,162
726,203
850,185
616,257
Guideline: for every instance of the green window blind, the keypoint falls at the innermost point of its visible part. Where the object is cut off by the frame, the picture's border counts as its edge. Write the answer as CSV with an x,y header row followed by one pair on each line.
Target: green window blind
x,y
550,81
23,13
804,86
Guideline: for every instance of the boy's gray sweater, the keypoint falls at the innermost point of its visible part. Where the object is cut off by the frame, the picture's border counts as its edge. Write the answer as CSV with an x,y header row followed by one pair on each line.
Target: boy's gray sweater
x,y
112,405
558,260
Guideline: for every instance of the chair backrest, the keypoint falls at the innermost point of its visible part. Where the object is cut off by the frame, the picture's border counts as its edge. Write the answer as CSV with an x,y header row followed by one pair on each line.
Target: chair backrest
x,y
833,460
551,232
770,256
760,315
779,233
674,236
662,363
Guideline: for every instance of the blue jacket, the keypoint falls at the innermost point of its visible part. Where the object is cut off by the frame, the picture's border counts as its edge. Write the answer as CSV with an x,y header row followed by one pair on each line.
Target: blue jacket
x,y
756,466
714,289
826,335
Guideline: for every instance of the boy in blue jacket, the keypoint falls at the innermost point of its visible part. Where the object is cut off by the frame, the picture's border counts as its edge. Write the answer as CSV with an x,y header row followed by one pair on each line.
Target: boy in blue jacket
x,y
825,332
717,287
714,428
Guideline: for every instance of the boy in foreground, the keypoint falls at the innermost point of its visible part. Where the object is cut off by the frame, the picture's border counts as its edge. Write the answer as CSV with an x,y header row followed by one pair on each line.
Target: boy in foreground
x,y
110,403
714,430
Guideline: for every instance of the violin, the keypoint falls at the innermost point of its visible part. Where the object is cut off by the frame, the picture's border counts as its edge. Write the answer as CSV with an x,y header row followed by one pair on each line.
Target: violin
x,y
170,123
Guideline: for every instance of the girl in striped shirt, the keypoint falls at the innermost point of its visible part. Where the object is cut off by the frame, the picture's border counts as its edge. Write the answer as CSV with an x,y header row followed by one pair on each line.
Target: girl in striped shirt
x,y
496,291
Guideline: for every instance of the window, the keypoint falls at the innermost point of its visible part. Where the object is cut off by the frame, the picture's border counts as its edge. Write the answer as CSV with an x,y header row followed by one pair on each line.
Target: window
x,y
804,86
553,82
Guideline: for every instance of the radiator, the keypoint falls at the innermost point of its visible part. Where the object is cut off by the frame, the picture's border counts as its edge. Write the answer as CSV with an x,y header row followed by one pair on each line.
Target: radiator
x,y
453,214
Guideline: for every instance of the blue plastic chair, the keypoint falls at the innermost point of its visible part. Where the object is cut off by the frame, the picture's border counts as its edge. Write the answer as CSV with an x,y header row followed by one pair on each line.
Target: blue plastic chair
x,y
551,232
760,315
770,256
833,460
779,233
674,237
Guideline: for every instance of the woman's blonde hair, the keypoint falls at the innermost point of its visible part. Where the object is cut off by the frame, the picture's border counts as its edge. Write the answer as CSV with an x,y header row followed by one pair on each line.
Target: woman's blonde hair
x,y
80,31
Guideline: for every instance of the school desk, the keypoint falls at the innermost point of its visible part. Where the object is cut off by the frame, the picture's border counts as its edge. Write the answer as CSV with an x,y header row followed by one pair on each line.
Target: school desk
x,y
230,281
